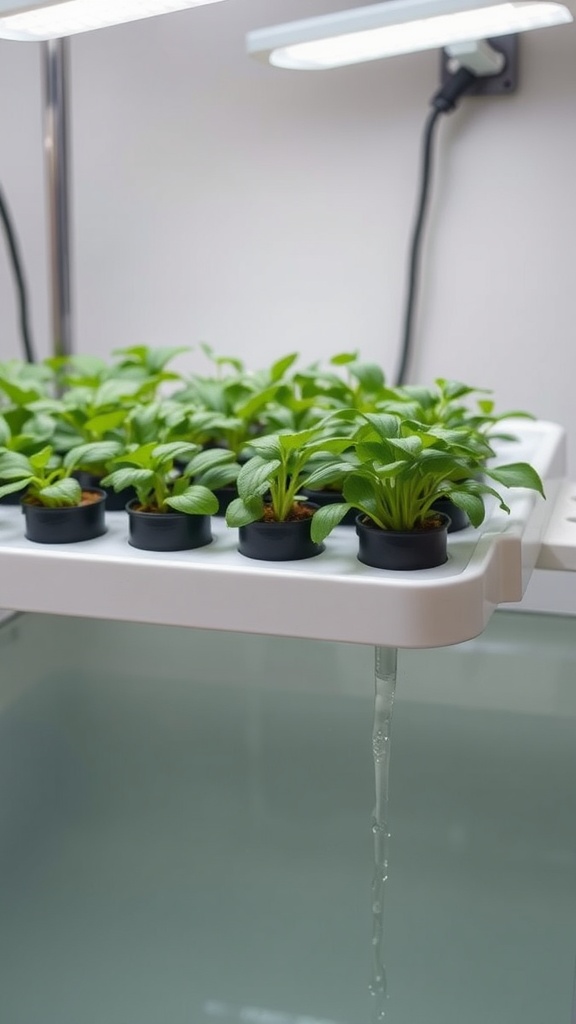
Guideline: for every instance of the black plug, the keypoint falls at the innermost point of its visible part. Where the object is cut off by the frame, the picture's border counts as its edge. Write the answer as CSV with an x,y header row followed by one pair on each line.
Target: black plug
x,y
446,99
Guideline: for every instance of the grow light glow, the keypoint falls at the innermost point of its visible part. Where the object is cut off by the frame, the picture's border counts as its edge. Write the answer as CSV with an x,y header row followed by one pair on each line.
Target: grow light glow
x,y
53,19
397,27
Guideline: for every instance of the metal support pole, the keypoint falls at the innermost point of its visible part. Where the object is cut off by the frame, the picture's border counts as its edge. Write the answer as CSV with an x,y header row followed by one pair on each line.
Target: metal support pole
x,y
55,75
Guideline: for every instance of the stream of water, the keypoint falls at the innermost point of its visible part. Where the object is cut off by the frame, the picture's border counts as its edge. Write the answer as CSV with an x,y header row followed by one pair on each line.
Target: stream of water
x,y
385,687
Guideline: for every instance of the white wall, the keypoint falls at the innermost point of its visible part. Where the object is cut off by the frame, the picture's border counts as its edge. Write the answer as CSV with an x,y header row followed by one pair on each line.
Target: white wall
x,y
263,211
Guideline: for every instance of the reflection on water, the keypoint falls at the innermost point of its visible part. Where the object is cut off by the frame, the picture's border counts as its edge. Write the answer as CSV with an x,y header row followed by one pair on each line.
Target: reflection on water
x,y
257,1015
183,828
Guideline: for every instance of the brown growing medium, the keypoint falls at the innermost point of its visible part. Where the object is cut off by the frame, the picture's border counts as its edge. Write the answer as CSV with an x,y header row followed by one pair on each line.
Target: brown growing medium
x,y
153,510
296,514
90,498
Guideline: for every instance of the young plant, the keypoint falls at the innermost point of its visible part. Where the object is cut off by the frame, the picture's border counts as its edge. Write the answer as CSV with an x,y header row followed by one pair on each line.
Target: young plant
x,y
362,387
447,404
145,363
305,400
150,470
22,385
269,484
86,414
138,363
37,432
403,470
233,405
46,479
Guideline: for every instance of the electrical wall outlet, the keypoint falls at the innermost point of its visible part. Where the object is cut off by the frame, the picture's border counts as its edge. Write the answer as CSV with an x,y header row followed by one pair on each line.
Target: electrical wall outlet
x,y
503,83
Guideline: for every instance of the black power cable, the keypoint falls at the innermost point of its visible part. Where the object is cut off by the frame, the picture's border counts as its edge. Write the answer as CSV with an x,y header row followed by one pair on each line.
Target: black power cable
x,y
443,102
17,269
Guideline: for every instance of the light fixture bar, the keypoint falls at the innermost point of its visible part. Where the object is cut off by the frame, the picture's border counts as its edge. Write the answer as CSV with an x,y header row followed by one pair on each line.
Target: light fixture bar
x,y
53,19
397,27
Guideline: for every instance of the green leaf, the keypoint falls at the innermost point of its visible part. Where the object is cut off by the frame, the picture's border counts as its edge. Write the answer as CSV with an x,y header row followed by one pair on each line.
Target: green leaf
x,y
85,366
205,421
279,368
343,358
389,470
5,432
141,456
242,512
452,389
96,453
17,485
111,392
40,427
425,397
254,477
326,518
174,450
471,504
41,459
151,359
486,406
330,445
61,494
360,492
195,501
128,477
369,375
386,425
105,421
219,476
14,465
444,465
268,447
374,451
208,459
410,445
347,416
18,395
248,410
517,474
330,472
294,442
210,394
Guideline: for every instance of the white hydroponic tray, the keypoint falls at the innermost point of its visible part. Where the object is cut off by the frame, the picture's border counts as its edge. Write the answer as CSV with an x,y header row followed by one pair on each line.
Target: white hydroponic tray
x,y
330,597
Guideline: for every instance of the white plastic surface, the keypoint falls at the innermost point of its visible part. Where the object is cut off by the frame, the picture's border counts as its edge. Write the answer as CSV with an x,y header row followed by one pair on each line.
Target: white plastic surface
x,y
330,597
558,550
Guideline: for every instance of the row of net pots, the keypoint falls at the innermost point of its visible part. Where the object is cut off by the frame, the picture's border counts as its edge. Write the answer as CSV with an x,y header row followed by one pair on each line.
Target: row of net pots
x,y
266,541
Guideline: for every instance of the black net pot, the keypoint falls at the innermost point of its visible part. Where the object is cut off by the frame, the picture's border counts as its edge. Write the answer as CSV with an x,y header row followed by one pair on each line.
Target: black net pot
x,y
166,531
278,542
66,525
322,498
402,550
115,500
458,518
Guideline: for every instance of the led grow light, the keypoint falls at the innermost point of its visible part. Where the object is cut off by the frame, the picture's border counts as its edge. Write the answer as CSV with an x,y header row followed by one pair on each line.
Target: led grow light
x,y
396,27
53,19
